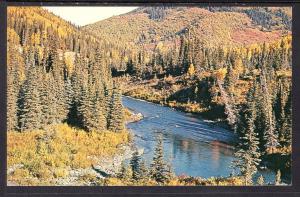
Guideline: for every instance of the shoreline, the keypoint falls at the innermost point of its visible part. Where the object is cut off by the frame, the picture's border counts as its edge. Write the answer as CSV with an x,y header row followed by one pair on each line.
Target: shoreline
x,y
219,123
106,167
266,162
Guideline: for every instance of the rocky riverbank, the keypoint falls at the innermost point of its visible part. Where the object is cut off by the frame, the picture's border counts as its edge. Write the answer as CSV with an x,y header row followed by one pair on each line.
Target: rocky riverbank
x,y
102,167
131,116
106,167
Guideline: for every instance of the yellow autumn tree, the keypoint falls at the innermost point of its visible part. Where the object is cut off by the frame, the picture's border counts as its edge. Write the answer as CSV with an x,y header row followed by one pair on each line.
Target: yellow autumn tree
x,y
191,70
220,74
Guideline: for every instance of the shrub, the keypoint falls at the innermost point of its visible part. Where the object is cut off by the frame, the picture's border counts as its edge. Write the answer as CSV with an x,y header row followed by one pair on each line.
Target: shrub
x,y
47,154
60,173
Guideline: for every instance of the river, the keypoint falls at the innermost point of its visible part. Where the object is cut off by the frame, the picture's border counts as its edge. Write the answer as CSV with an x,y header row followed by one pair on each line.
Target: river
x,y
191,144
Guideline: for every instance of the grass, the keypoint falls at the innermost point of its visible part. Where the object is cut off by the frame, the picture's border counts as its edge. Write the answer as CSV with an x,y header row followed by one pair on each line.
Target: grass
x,y
178,181
51,153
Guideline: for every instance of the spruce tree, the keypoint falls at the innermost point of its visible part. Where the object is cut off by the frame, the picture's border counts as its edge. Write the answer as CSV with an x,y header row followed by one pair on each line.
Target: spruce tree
x,y
31,111
98,118
116,121
135,166
270,133
125,172
158,166
48,100
61,94
248,157
260,180
286,127
85,108
169,172
143,170
13,86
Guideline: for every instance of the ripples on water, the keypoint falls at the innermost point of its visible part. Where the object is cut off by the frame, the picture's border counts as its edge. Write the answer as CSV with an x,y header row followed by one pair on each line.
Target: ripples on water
x,y
190,144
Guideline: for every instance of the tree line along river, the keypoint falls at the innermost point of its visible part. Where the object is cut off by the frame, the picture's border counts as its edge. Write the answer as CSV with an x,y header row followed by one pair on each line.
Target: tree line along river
x,y
191,145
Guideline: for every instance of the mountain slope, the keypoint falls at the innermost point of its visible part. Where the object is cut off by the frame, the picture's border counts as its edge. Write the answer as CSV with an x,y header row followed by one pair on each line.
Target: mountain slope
x,y
151,25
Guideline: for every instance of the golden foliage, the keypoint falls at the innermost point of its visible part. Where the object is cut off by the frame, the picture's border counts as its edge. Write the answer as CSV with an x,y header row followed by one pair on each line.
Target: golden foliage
x,y
284,73
46,154
220,74
12,36
69,63
191,70
179,181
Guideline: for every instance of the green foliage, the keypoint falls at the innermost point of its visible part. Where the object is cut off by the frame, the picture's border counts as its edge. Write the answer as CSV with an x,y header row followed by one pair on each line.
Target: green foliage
x,y
248,157
158,167
135,164
116,115
57,74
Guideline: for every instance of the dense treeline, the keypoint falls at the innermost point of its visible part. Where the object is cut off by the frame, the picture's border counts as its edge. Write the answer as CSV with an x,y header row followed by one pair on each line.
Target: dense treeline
x,y
146,27
223,76
268,18
58,74
249,87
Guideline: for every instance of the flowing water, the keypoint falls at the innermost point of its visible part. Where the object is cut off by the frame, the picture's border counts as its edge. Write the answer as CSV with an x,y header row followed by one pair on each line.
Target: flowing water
x,y
193,146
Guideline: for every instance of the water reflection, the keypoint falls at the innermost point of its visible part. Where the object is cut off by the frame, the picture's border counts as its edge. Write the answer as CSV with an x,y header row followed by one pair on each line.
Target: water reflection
x,y
191,145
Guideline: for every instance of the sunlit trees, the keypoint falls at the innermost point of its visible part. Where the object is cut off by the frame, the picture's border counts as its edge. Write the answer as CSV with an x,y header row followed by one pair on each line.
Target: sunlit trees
x,y
30,110
116,114
13,86
260,180
58,74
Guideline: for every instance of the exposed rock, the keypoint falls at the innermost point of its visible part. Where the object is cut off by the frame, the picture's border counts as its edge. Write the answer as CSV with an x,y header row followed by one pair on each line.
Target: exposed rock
x,y
135,117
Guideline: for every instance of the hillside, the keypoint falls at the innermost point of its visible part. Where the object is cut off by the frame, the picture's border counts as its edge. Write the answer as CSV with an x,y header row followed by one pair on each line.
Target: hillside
x,y
149,26
34,24
65,115
59,92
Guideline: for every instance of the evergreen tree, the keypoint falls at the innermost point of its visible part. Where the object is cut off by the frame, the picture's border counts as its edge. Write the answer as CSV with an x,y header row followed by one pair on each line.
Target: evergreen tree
x,y
169,172
116,120
30,117
260,180
48,100
98,118
85,108
125,172
270,133
135,164
158,166
13,86
143,170
48,89
248,157
287,122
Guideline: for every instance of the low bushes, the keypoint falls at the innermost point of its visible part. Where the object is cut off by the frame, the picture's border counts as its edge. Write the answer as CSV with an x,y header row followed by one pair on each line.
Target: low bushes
x,y
51,153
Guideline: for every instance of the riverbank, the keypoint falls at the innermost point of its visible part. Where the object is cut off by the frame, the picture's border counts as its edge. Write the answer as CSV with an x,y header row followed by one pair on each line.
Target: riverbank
x,y
173,92
183,107
132,116
61,156
182,131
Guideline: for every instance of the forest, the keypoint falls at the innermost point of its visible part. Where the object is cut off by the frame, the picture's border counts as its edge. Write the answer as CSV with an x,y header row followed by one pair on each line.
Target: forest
x,y
65,85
